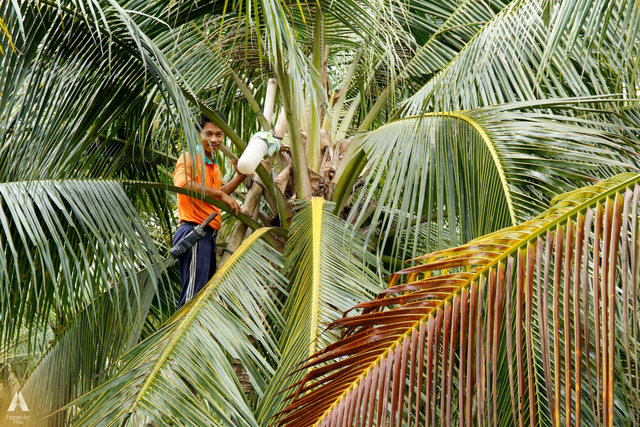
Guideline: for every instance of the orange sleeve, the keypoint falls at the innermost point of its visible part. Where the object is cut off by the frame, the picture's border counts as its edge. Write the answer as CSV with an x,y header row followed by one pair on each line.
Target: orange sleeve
x,y
181,172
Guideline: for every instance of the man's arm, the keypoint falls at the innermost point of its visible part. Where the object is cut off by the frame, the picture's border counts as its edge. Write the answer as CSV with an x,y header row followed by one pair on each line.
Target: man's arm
x,y
229,187
216,194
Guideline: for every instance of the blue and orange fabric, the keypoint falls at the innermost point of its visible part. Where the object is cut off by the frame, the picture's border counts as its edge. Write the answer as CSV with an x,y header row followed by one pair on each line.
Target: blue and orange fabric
x,y
192,209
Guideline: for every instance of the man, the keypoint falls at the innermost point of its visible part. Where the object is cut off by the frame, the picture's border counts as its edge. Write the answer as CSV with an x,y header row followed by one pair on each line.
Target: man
x,y
198,264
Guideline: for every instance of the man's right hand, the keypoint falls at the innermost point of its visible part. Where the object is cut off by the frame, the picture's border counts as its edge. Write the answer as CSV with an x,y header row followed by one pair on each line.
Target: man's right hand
x,y
231,202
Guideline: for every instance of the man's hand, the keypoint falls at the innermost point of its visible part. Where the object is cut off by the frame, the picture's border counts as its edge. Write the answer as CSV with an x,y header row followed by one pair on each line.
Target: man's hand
x,y
235,166
233,205
229,187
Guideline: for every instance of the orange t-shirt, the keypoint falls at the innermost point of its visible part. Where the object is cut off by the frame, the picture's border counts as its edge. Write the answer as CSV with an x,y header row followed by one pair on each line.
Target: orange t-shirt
x,y
192,209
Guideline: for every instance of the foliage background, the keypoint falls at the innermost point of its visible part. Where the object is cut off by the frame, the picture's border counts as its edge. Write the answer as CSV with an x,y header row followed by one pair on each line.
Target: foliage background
x,y
410,126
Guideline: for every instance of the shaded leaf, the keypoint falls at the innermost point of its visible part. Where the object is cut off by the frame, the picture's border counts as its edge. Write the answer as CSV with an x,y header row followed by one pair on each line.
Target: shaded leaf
x,y
182,373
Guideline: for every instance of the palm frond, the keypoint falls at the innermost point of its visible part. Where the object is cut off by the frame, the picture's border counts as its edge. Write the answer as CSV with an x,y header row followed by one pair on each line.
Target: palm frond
x,y
514,58
88,345
474,172
368,19
327,274
62,244
189,48
77,76
431,14
533,324
451,36
156,16
164,304
536,49
182,373
499,66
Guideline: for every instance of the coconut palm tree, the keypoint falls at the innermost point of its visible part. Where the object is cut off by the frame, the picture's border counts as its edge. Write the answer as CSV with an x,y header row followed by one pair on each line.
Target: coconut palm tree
x,y
530,325
446,128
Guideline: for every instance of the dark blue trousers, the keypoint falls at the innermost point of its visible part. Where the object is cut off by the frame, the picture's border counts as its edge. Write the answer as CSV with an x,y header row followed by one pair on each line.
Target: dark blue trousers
x,y
197,272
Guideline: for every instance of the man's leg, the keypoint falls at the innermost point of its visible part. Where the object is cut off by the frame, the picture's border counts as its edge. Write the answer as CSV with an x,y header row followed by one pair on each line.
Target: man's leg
x,y
184,260
198,260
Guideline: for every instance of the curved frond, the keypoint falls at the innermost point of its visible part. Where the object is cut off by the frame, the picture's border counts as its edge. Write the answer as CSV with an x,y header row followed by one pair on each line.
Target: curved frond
x,y
62,243
533,324
77,76
452,35
194,57
470,173
368,19
74,363
536,49
327,274
182,374
157,16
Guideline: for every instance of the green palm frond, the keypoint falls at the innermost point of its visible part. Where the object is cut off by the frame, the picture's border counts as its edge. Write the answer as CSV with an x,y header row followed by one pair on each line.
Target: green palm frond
x,y
451,36
473,172
531,50
366,19
63,243
327,274
207,55
164,304
536,49
450,26
80,74
77,357
535,324
431,14
156,16
182,373
194,55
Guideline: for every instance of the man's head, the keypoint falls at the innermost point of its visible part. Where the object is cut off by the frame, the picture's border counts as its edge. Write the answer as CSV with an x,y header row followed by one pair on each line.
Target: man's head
x,y
211,135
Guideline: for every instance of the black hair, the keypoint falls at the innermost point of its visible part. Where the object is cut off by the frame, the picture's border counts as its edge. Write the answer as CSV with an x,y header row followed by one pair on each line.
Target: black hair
x,y
204,119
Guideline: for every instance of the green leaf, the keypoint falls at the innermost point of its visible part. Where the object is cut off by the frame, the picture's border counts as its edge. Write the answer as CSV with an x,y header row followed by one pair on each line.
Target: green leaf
x,y
460,27
470,173
63,244
83,73
328,273
535,324
188,48
74,362
182,374
587,47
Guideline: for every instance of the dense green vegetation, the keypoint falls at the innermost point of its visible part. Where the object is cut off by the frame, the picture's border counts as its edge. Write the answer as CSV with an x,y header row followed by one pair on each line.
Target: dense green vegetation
x,y
485,151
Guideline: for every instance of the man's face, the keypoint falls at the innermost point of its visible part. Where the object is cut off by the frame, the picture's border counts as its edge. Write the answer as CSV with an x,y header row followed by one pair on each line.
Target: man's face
x,y
211,134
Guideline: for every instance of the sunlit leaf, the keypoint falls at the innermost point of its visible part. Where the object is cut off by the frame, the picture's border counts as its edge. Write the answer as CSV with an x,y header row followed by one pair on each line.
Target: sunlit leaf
x,y
533,324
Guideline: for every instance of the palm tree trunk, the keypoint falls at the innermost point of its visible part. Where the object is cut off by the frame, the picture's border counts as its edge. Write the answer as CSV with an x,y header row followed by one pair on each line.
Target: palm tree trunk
x,y
252,202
